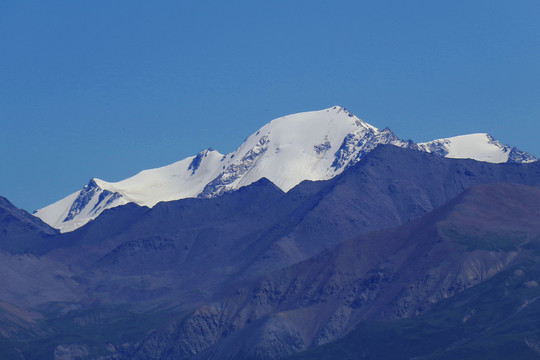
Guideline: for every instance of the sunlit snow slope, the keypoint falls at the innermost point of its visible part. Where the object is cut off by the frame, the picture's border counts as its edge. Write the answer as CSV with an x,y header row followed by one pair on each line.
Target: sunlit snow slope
x,y
481,147
315,145
183,179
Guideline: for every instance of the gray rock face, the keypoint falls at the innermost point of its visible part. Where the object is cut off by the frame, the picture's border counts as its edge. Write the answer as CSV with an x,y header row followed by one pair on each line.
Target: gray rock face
x,y
520,157
357,145
234,171
105,197
196,162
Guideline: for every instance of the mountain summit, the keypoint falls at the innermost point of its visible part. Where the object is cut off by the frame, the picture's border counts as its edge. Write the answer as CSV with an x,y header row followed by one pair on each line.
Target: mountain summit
x,y
315,145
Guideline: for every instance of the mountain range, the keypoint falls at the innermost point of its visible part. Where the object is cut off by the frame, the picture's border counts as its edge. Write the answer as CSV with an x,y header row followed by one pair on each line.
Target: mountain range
x,y
317,145
399,251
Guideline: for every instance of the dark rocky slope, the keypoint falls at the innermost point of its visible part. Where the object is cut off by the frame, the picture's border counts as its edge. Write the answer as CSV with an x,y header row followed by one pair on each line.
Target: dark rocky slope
x,y
259,228
388,275
21,232
136,269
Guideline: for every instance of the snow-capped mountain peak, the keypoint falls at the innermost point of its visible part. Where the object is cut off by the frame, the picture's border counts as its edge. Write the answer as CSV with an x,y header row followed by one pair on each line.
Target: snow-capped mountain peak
x,y
315,145
481,147
294,148
182,179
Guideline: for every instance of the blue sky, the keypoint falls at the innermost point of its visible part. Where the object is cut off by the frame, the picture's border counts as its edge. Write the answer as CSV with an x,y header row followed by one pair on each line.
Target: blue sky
x,y
108,88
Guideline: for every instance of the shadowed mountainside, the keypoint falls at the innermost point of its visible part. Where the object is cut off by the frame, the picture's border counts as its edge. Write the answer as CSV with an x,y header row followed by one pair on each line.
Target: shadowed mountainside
x,y
21,231
264,228
387,275
246,255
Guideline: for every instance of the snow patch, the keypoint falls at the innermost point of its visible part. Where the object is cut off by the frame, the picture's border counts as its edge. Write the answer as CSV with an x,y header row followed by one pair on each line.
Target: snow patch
x,y
480,147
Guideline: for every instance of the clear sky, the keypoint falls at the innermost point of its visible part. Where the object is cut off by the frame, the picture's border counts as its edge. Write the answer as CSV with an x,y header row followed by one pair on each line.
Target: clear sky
x,y
108,88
